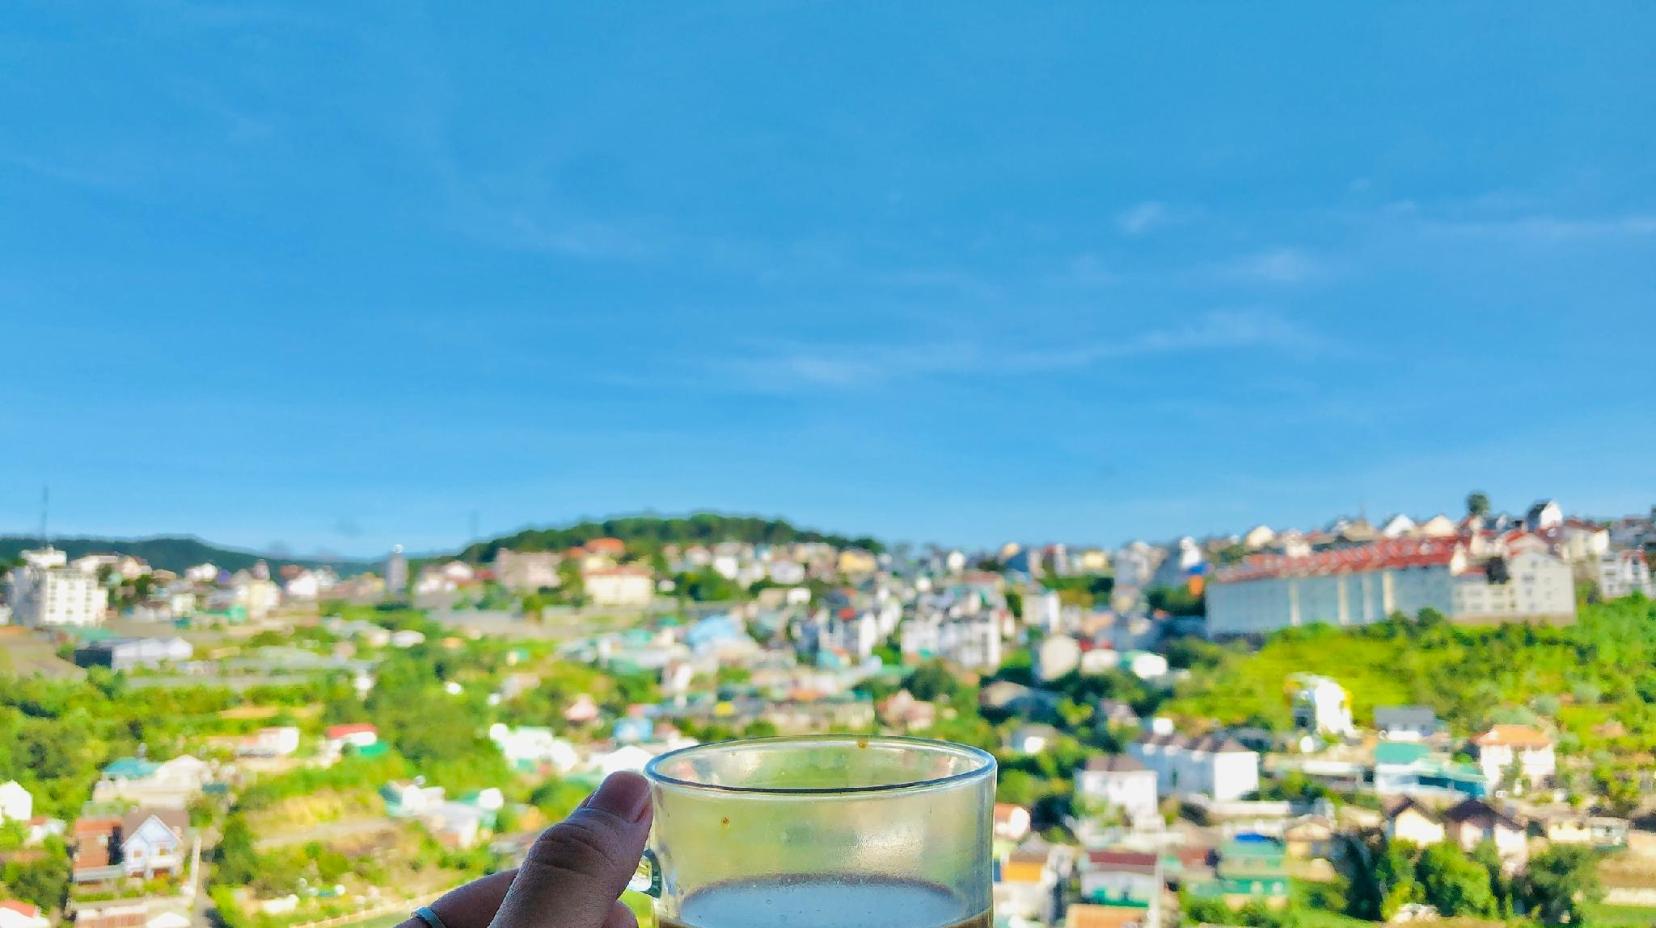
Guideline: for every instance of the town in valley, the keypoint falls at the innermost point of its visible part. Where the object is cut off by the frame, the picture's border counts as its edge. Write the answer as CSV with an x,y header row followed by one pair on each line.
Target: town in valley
x,y
1414,719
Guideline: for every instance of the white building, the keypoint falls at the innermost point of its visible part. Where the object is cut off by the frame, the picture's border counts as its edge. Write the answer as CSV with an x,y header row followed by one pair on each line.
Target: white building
x,y
16,804
1321,706
15,914
1214,766
1367,583
1498,748
46,591
526,570
624,586
1122,782
533,748
1622,573
970,641
274,741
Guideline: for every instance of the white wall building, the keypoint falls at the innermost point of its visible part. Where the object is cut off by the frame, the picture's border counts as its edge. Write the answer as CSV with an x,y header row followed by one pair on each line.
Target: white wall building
x,y
1321,706
1366,583
46,591
619,586
1214,766
527,570
1120,781
1622,573
16,804
1498,748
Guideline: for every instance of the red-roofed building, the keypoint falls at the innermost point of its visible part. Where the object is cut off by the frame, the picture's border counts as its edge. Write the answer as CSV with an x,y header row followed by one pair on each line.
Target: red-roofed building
x,y
1359,584
356,735
1502,746
15,914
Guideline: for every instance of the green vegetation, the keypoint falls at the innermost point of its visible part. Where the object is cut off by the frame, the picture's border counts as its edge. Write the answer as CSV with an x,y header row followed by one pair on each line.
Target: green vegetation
x,y
1600,670
1085,590
651,533
172,553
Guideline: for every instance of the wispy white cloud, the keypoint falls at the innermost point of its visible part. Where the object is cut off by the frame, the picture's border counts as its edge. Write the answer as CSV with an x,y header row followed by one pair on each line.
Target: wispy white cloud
x,y
1541,228
1280,266
1142,217
786,367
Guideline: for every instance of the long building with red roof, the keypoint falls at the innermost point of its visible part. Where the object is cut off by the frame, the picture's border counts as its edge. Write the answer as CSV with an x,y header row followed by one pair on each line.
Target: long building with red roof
x,y
1360,584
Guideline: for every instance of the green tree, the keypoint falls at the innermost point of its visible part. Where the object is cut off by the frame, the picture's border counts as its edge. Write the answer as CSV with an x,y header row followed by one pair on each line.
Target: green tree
x,y
1559,884
236,860
1477,503
1454,883
43,881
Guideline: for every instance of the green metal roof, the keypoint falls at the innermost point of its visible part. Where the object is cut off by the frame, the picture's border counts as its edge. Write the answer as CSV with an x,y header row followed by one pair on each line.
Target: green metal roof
x,y
1398,752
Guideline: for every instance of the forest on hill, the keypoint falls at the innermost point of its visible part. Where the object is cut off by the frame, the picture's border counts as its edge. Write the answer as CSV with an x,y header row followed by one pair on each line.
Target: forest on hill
x,y
648,533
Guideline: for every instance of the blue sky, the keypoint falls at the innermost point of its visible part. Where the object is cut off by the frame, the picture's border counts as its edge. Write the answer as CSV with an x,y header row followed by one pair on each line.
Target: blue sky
x,y
339,275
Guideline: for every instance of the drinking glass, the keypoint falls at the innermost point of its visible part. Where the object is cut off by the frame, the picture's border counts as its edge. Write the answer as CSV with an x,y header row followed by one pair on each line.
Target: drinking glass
x,y
829,831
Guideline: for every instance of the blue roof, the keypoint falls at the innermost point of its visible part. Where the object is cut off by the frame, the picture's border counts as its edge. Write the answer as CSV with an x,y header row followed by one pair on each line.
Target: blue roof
x,y
129,768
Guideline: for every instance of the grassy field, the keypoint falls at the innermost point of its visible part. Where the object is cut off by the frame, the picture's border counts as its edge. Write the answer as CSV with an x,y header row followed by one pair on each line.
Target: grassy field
x,y
1619,916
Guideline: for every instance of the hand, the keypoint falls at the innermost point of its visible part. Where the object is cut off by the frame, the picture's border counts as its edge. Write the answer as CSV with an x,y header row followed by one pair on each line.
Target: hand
x,y
573,875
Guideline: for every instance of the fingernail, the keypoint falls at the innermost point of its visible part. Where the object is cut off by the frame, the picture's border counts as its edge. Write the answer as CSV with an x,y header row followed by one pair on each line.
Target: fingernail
x,y
624,794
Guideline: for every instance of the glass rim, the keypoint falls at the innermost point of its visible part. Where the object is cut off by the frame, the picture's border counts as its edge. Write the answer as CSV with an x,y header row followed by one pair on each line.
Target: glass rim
x,y
985,764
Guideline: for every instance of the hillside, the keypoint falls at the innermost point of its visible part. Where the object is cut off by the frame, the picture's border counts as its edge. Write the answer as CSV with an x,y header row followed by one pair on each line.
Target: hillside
x,y
1594,682
170,552
648,533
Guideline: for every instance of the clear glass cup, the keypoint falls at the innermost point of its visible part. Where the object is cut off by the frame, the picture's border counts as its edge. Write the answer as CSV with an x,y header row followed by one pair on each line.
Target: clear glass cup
x,y
830,831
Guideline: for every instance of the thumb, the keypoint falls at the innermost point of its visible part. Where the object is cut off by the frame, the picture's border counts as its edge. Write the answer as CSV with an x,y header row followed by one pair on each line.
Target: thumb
x,y
576,869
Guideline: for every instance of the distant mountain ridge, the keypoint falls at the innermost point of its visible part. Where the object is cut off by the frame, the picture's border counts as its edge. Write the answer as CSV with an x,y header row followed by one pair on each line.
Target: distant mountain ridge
x,y
173,552
651,532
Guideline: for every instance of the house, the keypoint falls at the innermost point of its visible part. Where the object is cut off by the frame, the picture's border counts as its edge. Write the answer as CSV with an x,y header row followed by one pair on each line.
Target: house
x,y
1088,915
274,741
901,710
152,842
1321,706
1405,723
1029,882
410,799
1252,869
1543,515
16,803
1622,573
1011,822
170,784
530,748
1119,781
1145,665
1410,768
96,850
1475,821
1309,837
1125,879
1032,739
1409,820
1503,746
1600,831
624,586
1213,765
1117,712
15,914
133,653
356,735
457,824
525,571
